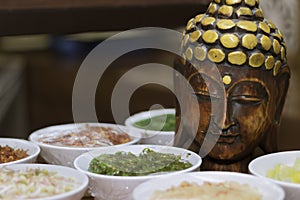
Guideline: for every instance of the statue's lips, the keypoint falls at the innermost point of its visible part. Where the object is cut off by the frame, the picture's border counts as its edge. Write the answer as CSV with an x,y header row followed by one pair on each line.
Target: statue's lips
x,y
226,138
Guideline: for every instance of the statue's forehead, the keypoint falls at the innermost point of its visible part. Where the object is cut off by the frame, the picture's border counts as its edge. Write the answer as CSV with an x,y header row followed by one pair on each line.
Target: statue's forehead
x,y
231,79
229,75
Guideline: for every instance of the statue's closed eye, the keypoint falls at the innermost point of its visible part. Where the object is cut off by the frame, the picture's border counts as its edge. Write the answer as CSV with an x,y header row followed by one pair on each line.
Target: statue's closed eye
x,y
206,97
247,100
248,93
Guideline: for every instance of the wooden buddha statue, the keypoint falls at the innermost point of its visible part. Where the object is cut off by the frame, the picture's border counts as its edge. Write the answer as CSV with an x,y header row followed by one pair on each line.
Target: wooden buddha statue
x,y
235,62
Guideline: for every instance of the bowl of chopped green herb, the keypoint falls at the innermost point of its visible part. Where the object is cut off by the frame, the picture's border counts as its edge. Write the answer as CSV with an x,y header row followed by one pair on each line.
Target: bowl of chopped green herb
x,y
115,171
155,126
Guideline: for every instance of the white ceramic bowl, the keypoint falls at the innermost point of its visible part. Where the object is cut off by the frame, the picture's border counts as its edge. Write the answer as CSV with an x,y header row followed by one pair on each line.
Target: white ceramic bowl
x,y
268,190
80,178
121,187
32,149
151,136
261,165
65,155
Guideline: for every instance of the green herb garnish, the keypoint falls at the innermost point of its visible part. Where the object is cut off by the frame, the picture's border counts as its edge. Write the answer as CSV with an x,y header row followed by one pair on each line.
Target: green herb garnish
x,y
157,123
129,164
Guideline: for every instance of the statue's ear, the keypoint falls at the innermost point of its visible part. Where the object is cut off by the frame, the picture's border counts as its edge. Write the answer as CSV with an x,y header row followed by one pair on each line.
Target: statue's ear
x,y
270,143
282,82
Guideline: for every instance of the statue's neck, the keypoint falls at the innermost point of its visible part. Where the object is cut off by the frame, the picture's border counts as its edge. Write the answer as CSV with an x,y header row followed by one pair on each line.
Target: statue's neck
x,y
237,166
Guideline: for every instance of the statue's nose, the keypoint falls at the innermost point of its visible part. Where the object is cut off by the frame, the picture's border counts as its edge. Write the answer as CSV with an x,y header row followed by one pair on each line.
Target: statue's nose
x,y
223,117
229,122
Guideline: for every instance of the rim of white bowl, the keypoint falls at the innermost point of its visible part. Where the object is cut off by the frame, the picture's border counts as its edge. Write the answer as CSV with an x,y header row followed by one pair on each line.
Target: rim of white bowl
x,y
32,137
142,146
32,145
258,159
142,115
215,175
83,180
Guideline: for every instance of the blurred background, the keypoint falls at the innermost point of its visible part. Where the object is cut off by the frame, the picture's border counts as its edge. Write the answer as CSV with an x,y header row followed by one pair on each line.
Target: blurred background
x,y
43,43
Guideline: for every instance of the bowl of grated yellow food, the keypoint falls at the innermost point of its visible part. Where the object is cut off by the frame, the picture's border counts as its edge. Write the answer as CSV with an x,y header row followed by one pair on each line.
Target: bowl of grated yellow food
x,y
282,168
208,185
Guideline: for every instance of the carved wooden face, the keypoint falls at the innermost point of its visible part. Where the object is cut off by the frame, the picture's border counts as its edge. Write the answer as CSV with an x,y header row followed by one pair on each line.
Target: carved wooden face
x,y
236,109
240,102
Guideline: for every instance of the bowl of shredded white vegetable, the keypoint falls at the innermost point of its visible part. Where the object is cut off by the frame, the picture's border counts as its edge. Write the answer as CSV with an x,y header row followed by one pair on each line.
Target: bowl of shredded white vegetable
x,y
41,182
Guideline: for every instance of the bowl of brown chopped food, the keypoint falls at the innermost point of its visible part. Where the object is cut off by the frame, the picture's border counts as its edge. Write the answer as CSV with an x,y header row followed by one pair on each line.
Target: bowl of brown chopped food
x,y
13,151
61,144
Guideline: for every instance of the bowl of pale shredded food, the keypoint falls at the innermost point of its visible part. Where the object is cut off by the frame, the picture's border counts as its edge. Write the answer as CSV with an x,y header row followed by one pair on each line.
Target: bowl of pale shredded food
x,y
41,182
208,185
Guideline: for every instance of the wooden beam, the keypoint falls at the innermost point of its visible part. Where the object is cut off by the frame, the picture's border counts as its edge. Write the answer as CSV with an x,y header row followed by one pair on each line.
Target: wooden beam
x,y
62,17
12,5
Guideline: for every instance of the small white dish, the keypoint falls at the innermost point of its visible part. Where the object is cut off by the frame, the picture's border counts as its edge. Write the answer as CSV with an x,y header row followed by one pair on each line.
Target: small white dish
x,y
268,190
121,187
262,164
32,149
152,136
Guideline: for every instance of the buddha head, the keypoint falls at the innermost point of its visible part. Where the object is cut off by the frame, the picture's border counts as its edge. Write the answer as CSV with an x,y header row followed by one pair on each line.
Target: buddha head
x,y
235,62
